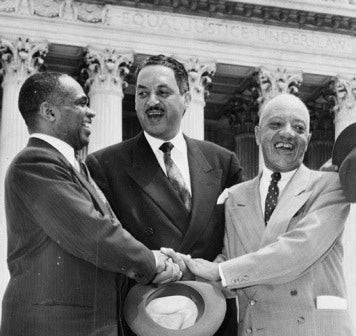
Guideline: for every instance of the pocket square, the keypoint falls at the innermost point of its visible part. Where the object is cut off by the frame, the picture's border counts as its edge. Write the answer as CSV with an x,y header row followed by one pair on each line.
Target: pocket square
x,y
223,196
331,302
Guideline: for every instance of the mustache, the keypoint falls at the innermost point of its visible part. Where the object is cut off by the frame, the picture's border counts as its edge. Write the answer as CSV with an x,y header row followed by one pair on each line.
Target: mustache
x,y
155,108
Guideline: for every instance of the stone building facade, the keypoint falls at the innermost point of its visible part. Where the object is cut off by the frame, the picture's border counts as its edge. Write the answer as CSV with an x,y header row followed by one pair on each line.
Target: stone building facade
x,y
239,54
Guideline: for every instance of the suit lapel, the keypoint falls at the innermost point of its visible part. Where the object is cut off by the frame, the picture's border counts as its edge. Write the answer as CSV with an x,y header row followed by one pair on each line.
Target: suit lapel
x,y
246,216
96,198
291,200
148,174
205,184
35,142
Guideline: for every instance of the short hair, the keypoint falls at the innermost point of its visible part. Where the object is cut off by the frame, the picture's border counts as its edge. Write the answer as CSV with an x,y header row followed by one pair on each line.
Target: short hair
x,y
38,88
180,73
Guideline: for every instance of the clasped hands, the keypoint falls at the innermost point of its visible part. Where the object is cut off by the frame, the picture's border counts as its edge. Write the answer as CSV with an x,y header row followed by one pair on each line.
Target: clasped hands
x,y
173,266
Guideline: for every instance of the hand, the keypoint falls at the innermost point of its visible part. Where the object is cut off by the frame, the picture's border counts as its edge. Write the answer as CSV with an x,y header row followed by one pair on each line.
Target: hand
x,y
203,268
178,259
167,270
329,167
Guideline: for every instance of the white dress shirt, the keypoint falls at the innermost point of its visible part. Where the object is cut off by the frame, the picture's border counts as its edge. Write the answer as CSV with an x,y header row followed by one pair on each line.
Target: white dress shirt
x,y
266,180
66,150
179,155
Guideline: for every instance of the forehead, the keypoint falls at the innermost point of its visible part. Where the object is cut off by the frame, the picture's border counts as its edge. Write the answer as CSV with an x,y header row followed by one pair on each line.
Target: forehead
x,y
286,108
156,75
71,86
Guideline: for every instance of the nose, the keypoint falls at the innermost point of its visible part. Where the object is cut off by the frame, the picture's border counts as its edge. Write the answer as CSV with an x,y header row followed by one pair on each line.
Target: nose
x,y
288,131
152,101
89,112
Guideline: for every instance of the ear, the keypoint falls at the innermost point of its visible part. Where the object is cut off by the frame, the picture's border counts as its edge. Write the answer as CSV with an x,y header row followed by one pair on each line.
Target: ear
x,y
309,137
257,135
187,99
47,112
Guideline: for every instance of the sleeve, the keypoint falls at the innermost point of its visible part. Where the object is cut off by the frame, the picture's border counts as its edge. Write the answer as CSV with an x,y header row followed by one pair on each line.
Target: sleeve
x,y
347,175
235,171
64,210
295,251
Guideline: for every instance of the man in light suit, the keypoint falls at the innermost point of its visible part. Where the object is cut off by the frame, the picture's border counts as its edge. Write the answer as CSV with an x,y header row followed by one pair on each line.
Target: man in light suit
x,y
133,175
65,247
286,272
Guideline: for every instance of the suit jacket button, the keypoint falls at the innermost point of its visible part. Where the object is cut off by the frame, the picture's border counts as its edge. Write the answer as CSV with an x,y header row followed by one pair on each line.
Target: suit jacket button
x,y
249,330
149,231
294,292
300,319
252,302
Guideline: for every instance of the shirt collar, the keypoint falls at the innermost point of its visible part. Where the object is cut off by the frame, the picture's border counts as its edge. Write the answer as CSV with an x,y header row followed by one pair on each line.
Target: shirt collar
x,y
66,150
178,141
286,176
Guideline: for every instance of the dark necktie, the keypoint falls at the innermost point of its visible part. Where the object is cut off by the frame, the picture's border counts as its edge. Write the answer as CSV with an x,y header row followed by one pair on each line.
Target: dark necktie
x,y
85,172
175,176
272,196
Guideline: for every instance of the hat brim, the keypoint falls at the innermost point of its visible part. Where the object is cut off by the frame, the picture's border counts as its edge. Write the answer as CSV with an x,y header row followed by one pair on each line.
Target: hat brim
x,y
344,144
209,299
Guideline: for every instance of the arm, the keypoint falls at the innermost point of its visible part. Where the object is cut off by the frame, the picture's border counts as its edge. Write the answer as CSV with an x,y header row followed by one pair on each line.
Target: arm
x,y
309,240
293,253
347,175
63,209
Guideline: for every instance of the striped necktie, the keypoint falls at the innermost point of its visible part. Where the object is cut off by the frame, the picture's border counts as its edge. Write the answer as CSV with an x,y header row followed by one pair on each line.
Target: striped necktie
x,y
85,172
175,176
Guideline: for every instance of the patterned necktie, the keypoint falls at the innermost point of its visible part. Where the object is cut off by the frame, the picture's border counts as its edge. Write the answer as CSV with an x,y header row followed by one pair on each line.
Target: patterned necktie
x,y
85,172
272,196
175,176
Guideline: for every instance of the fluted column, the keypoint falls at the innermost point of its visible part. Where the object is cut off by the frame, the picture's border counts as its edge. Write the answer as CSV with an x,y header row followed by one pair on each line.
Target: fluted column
x,y
272,82
19,59
345,114
200,73
107,69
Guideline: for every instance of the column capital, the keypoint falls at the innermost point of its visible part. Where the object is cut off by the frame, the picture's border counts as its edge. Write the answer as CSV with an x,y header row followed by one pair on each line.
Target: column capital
x,y
107,68
272,82
345,94
344,88
21,58
200,72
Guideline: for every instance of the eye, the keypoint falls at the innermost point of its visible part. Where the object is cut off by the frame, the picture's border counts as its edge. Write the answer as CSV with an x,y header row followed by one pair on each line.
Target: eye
x,y
299,129
163,93
142,94
275,124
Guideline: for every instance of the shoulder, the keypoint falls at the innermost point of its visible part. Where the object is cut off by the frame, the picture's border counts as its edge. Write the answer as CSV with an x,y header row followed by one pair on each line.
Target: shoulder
x,y
114,153
208,146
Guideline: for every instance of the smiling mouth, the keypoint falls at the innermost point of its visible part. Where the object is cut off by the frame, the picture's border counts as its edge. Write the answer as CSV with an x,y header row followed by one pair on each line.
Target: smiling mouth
x,y
87,125
284,146
155,114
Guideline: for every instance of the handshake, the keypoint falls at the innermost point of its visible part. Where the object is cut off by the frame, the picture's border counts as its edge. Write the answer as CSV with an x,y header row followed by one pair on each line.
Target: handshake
x,y
174,266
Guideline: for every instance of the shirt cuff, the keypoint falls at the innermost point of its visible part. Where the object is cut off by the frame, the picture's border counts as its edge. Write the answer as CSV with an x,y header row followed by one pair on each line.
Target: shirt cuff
x,y
223,280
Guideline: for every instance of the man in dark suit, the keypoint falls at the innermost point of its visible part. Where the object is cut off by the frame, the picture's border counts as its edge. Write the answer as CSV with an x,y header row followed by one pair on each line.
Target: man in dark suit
x,y
136,179
65,246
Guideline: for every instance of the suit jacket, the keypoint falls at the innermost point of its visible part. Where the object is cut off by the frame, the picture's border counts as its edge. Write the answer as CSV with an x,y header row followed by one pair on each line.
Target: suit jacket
x,y
347,174
150,209
277,272
64,251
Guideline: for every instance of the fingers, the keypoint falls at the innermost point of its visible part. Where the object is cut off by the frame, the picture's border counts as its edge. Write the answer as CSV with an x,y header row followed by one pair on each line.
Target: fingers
x,y
171,272
160,260
175,256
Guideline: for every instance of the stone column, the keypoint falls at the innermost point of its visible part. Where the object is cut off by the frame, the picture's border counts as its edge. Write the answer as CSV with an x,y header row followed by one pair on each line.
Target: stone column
x,y
107,69
19,59
272,82
200,73
345,114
